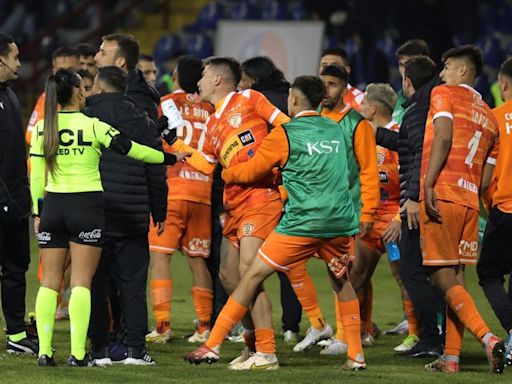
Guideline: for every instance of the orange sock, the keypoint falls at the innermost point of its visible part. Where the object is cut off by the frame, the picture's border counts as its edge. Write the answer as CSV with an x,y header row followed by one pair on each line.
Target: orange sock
x,y
349,312
464,307
265,341
454,333
203,303
411,318
340,331
161,295
231,314
306,294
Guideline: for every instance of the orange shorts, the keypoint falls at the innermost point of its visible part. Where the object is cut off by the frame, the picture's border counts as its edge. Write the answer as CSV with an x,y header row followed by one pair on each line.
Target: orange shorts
x,y
452,242
374,239
285,253
187,227
258,221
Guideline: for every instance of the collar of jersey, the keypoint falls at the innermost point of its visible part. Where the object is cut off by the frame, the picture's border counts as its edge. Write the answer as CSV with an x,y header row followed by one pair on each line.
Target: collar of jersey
x,y
308,112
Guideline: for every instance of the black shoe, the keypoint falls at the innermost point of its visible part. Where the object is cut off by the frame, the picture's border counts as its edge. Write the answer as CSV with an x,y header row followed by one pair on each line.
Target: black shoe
x,y
23,346
138,357
100,358
423,349
46,361
74,362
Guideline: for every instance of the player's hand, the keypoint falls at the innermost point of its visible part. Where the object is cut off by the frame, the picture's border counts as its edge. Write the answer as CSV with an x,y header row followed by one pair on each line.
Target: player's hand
x,y
365,228
160,227
169,134
162,123
412,209
393,232
431,204
181,156
37,220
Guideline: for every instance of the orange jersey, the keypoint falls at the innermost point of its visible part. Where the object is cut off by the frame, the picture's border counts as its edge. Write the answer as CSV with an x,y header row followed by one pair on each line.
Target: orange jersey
x,y
474,135
37,114
502,196
353,97
184,181
388,174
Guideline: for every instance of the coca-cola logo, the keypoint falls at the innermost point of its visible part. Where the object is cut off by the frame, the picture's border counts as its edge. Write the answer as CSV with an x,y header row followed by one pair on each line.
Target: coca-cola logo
x,y
93,235
44,236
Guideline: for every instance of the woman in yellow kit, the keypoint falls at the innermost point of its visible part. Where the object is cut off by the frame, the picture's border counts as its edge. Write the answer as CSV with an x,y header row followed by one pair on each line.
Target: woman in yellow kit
x,y
68,144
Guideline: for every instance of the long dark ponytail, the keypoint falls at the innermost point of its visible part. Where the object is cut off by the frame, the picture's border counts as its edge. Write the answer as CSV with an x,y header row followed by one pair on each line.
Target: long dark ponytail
x,y
58,90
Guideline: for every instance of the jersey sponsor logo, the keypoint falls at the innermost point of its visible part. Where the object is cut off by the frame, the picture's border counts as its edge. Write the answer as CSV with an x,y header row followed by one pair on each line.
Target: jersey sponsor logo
x,y
67,138
467,185
235,120
323,147
193,175
383,177
234,144
91,236
199,245
338,265
44,237
468,248
248,229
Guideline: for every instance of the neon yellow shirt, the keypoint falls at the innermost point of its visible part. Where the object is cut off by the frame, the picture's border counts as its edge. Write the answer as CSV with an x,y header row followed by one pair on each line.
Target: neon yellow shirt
x,y
78,156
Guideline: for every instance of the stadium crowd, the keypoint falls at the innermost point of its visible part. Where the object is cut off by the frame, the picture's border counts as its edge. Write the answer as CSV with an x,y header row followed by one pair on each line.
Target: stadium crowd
x,y
120,177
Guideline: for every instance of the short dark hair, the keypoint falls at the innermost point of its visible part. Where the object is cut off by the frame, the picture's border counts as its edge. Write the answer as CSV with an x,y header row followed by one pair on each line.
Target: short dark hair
x,y
311,87
336,51
264,72
85,74
506,68
65,52
128,47
469,52
114,76
413,47
232,64
5,42
145,57
420,70
189,70
85,49
335,71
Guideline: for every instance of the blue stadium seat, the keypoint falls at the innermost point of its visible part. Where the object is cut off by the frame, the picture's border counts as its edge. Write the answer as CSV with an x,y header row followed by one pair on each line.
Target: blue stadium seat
x,y
491,47
208,18
388,46
273,10
297,11
166,47
199,45
244,10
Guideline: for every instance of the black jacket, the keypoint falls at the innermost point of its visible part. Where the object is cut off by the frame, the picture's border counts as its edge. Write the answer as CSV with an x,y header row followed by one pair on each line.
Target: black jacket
x,y
144,95
14,189
409,140
132,189
277,94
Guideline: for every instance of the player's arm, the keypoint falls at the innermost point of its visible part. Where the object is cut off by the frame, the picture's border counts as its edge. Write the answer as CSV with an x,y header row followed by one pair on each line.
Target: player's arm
x,y
387,138
37,173
272,152
488,169
198,160
265,109
443,132
366,156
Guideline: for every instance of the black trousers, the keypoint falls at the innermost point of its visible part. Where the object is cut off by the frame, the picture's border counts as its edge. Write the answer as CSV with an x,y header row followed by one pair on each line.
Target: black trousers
x,y
126,260
495,262
425,298
14,262
292,310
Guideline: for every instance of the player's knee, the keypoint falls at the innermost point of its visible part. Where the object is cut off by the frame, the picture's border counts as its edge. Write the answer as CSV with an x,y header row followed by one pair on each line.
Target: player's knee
x,y
229,282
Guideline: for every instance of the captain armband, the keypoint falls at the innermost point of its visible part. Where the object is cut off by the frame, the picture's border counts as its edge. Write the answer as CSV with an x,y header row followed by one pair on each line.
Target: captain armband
x,y
121,144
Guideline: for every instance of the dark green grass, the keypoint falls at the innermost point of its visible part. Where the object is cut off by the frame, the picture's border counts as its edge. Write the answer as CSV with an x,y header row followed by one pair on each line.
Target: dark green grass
x,y
310,367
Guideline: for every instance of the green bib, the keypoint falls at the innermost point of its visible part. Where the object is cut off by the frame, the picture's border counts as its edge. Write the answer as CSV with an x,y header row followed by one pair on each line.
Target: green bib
x,y
316,179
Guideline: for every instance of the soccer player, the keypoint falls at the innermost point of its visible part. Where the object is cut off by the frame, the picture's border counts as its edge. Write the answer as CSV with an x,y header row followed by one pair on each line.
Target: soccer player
x,y
87,53
459,136
62,58
319,217
187,226
495,261
363,176
67,144
404,53
338,56
148,68
233,134
377,108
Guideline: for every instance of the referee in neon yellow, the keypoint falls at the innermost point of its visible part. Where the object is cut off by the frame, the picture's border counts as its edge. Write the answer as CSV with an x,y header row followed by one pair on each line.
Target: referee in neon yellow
x,y
67,144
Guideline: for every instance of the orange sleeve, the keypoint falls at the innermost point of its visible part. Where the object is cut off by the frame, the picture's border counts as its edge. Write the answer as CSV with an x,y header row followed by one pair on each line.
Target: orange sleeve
x,y
37,114
273,151
366,155
441,103
203,163
265,109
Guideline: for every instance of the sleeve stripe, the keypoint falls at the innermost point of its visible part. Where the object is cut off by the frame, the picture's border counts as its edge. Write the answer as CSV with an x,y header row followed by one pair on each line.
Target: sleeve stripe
x,y
246,93
209,159
274,115
491,160
443,114
35,155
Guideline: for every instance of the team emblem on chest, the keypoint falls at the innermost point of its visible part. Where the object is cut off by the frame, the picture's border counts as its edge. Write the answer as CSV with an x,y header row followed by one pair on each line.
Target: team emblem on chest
x,y
235,120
